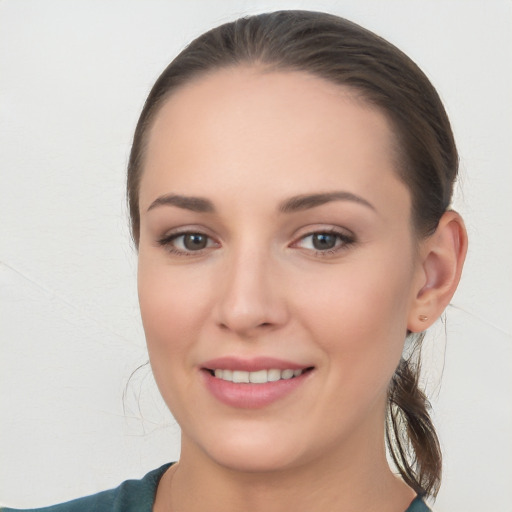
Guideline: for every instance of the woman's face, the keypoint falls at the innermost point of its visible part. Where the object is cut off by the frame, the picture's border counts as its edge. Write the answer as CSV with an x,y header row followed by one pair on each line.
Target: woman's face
x,y
275,240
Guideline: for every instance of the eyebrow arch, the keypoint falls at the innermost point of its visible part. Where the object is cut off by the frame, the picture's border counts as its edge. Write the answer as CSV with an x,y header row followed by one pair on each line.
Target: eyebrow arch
x,y
293,204
306,201
195,204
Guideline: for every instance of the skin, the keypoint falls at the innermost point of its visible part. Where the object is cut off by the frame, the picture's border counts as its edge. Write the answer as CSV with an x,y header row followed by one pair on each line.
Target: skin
x,y
259,288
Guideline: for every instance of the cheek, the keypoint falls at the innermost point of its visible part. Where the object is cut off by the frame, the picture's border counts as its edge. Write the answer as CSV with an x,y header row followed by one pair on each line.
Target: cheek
x,y
172,310
359,316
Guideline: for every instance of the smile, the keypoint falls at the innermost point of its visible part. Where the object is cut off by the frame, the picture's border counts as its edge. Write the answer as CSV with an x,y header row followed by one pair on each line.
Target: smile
x,y
256,386
253,383
256,377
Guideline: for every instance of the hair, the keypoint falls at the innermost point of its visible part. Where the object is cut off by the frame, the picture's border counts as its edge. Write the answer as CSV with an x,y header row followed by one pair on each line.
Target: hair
x,y
346,54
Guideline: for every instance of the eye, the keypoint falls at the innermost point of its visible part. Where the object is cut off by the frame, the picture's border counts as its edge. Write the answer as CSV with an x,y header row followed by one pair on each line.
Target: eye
x,y
325,242
191,241
187,243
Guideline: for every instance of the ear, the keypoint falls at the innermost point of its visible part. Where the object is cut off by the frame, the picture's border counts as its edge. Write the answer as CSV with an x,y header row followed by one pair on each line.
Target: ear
x,y
442,257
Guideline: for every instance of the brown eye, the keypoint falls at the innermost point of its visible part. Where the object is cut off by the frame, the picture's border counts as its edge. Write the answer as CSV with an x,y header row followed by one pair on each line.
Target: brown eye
x,y
188,243
195,241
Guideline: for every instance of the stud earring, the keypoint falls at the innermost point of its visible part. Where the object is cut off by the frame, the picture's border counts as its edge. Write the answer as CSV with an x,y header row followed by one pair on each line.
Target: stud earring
x,y
423,318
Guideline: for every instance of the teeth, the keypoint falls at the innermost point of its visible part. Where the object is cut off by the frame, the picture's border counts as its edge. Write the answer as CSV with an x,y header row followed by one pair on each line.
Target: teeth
x,y
240,376
274,375
287,374
259,377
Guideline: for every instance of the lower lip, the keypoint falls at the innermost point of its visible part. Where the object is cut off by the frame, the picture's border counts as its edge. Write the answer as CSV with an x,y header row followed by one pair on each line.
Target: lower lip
x,y
251,396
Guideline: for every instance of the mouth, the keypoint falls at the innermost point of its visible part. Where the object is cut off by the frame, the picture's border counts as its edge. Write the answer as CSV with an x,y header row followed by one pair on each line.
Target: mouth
x,y
263,376
254,383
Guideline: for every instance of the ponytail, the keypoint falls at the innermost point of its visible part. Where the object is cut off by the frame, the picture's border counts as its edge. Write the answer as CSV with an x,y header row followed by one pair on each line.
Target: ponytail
x,y
410,433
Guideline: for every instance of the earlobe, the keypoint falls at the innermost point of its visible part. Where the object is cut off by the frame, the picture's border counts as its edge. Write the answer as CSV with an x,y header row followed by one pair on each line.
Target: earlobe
x,y
443,255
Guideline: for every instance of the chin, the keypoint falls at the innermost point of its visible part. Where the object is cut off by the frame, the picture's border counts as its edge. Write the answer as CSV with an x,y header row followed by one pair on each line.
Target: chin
x,y
254,452
260,460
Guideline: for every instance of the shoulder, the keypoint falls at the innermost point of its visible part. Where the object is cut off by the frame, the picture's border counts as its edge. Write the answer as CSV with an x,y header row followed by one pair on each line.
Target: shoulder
x,y
130,496
418,505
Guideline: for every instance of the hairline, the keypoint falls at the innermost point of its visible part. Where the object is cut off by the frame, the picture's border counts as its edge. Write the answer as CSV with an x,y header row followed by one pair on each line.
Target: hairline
x,y
356,94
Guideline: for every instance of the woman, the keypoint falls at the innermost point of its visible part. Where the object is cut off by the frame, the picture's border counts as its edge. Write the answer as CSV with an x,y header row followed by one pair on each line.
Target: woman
x,y
289,185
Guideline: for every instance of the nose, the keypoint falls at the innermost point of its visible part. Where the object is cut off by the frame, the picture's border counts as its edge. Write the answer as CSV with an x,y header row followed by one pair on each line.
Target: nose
x,y
251,299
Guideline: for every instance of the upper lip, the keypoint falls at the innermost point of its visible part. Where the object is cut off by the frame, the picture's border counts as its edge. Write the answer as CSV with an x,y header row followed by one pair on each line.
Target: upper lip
x,y
252,364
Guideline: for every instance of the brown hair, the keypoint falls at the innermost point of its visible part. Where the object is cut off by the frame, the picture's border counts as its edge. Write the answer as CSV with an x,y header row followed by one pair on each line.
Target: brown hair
x,y
344,53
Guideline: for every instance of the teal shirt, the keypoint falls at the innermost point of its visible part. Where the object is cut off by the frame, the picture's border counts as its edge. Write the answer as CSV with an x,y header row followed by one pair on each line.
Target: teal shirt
x,y
137,496
130,496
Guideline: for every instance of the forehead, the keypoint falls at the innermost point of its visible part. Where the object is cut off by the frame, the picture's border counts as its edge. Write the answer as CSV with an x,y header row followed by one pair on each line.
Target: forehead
x,y
254,96
283,128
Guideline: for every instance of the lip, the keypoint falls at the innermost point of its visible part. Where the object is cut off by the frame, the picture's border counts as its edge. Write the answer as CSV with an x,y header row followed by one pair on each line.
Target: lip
x,y
252,365
248,395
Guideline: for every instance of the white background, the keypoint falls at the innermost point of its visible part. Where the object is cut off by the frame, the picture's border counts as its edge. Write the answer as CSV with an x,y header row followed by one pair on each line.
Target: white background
x,y
73,78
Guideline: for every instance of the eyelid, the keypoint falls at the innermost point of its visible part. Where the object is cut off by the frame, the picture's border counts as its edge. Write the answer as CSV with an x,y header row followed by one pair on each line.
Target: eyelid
x,y
166,240
347,237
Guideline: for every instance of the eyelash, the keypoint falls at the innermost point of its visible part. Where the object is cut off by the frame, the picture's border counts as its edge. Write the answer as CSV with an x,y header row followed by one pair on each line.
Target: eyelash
x,y
344,241
167,243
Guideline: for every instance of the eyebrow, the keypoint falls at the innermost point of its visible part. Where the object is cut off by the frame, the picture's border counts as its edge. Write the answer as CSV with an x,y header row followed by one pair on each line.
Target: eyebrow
x,y
195,204
306,201
293,204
